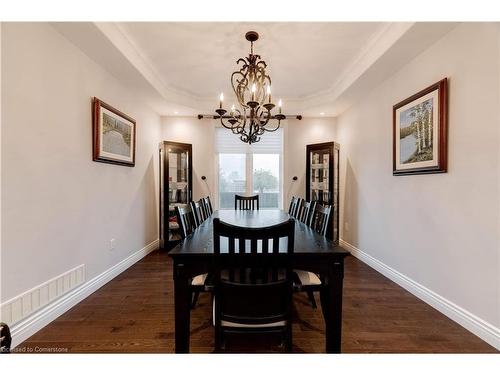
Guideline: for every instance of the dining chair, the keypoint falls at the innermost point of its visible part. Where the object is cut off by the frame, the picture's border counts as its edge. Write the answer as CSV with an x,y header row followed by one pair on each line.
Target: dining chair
x,y
305,211
208,206
187,223
246,203
253,289
294,204
186,220
321,218
306,281
198,211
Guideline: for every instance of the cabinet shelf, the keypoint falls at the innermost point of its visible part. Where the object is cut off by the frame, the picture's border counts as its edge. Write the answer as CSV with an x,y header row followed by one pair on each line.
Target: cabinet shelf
x,y
319,166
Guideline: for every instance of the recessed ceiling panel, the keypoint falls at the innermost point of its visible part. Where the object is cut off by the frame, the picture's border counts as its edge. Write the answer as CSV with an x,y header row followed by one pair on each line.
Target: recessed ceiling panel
x,y
198,58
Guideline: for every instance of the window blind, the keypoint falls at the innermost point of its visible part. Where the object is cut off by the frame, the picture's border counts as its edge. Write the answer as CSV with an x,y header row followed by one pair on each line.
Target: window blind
x,y
228,143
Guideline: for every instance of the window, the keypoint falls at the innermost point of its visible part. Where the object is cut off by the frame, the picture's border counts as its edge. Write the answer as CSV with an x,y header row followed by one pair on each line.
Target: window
x,y
250,169
266,179
232,178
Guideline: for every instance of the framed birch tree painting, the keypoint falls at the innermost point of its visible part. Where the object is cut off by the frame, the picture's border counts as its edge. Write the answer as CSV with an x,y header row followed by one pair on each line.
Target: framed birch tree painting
x,y
420,132
113,135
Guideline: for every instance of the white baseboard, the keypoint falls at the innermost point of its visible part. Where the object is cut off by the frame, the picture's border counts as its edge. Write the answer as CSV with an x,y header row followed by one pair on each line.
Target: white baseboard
x,y
30,325
466,319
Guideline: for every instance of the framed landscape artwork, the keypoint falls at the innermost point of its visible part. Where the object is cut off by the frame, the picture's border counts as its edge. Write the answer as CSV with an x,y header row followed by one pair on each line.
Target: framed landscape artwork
x,y
420,132
113,135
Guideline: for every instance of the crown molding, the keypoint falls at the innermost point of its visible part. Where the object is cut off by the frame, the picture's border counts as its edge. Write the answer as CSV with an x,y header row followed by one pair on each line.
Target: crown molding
x,y
386,52
117,35
379,44
376,46
392,49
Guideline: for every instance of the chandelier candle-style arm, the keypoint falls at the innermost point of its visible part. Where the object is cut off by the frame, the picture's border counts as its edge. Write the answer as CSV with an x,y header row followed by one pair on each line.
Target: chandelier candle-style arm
x,y
216,117
252,88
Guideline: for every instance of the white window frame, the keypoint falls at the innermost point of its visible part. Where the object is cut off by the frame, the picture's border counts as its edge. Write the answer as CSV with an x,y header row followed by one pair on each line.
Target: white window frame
x,y
249,172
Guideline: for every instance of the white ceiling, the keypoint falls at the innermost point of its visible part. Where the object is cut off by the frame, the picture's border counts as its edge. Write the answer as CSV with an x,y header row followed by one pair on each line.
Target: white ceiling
x,y
198,58
180,68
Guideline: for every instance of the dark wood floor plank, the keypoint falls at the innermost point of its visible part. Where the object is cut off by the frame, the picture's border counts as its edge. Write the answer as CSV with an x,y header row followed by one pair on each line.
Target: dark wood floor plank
x,y
134,313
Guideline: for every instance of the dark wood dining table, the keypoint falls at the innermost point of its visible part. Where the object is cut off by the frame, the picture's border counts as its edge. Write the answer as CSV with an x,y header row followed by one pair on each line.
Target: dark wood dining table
x,y
312,252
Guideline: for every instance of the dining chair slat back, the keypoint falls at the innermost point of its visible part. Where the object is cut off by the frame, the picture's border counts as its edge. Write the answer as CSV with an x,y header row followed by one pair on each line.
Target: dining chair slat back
x,y
305,212
198,211
246,203
253,280
294,205
207,204
320,218
186,220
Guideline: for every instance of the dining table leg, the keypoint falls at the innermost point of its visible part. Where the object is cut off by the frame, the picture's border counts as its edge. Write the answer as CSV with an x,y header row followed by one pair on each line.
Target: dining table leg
x,y
331,305
182,300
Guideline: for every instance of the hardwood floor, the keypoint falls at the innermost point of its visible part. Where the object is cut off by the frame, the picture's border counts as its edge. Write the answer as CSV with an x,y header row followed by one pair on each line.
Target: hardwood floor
x,y
134,313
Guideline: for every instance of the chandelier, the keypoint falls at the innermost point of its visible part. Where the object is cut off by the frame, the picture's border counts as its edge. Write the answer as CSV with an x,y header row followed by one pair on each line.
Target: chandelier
x,y
252,87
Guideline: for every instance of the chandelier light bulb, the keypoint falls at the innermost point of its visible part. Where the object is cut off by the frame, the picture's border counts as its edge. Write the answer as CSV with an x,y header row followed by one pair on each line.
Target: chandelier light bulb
x,y
221,97
254,88
233,108
269,93
280,104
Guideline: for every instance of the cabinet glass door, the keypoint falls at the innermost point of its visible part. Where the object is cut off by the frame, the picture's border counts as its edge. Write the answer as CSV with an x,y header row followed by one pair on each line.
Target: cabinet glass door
x,y
177,176
175,188
178,187
319,183
322,181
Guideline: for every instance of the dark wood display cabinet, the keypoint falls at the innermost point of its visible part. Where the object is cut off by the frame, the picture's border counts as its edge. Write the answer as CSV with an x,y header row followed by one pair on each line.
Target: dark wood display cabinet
x,y
176,188
322,181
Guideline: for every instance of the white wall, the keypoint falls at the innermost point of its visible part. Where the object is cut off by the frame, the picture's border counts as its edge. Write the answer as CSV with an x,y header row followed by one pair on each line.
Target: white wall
x,y
201,133
59,208
441,230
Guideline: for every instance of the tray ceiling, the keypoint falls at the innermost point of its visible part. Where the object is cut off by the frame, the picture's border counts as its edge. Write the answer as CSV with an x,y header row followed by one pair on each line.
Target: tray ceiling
x,y
179,68
198,58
